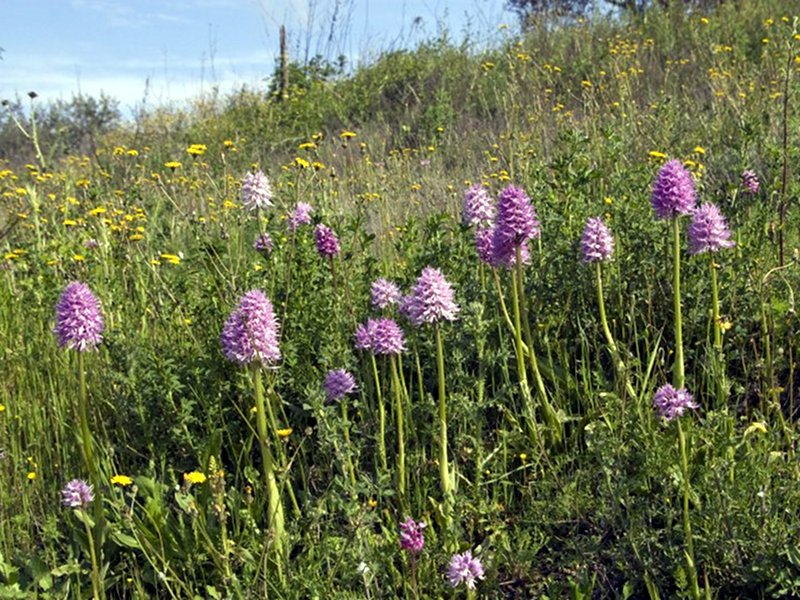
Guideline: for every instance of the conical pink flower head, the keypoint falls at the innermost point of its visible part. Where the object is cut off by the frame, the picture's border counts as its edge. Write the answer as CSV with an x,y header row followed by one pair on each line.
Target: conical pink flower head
x,y
301,215
251,331
750,181
597,243
384,293
381,336
516,224
432,299
670,403
516,216
673,191
77,494
338,384
464,568
327,242
79,320
477,207
708,231
412,538
256,191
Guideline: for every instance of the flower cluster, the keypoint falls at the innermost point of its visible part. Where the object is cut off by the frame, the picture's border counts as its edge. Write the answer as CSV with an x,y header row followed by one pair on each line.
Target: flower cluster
x,y
750,181
477,207
256,191
79,320
326,240
380,336
516,224
263,243
300,216
670,403
384,293
251,331
432,299
597,243
673,191
464,568
77,494
412,538
708,231
338,384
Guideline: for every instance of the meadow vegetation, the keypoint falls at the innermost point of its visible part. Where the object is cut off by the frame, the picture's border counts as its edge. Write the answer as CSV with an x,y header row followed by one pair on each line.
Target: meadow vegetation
x,y
221,468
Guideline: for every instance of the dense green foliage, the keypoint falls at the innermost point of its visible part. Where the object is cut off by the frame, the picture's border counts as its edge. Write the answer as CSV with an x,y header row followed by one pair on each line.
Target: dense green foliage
x,y
581,116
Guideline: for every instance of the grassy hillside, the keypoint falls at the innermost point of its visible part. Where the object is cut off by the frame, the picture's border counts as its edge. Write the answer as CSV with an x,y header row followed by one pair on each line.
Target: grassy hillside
x,y
560,476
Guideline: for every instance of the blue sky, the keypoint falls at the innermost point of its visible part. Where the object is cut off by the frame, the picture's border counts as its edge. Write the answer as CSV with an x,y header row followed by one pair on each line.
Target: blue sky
x,y
177,49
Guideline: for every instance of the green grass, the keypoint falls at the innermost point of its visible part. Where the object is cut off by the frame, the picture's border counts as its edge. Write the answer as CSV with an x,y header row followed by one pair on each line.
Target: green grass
x,y
581,117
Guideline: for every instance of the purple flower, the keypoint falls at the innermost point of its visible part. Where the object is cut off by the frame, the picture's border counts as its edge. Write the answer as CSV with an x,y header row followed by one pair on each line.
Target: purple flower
x,y
381,336
300,216
483,243
412,538
477,208
432,299
597,243
79,321
251,331
384,293
671,403
91,244
256,191
464,568
339,383
708,231
750,181
263,243
77,494
516,224
673,191
364,333
327,242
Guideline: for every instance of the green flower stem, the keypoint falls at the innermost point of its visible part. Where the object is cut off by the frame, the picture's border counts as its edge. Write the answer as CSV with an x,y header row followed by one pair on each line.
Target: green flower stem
x,y
87,445
444,467
381,416
687,527
719,372
284,460
550,416
275,518
346,430
401,444
98,591
503,308
612,345
521,370
678,373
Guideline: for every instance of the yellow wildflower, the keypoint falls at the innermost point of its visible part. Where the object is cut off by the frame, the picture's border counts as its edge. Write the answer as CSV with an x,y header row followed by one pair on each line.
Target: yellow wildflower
x,y
346,135
172,258
196,150
284,433
173,164
31,475
195,477
121,480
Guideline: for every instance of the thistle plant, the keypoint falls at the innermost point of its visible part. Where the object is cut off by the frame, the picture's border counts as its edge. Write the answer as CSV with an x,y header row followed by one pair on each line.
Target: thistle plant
x,y
432,301
465,569
256,192
674,195
670,404
517,224
412,540
78,494
384,337
79,326
250,338
340,383
597,247
708,233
